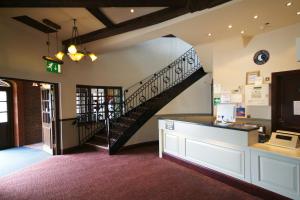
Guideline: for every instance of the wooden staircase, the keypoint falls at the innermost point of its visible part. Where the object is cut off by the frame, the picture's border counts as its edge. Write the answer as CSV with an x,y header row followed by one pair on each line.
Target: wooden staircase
x,y
153,94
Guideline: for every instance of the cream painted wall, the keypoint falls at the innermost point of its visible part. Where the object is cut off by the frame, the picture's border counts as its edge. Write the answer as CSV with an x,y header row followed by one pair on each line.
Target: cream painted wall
x,y
231,60
194,100
21,57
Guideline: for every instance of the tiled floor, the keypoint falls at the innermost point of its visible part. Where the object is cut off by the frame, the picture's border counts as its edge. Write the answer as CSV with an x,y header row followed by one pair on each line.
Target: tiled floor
x,y
17,158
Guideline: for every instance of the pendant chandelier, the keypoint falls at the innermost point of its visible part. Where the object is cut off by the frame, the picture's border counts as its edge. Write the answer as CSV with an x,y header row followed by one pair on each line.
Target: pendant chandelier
x,y
74,52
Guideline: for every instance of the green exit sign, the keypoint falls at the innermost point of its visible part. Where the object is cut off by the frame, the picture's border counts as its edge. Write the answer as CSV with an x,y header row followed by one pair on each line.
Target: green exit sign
x,y
53,67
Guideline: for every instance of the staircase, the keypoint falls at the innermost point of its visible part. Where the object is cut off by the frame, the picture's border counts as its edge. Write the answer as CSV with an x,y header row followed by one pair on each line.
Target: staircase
x,y
144,99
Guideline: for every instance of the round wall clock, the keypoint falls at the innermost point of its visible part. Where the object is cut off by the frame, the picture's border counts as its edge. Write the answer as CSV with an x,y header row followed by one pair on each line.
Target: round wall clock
x,y
261,57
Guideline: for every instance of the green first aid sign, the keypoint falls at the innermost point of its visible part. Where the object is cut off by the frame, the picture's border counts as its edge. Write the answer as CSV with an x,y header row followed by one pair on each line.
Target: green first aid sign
x,y
53,67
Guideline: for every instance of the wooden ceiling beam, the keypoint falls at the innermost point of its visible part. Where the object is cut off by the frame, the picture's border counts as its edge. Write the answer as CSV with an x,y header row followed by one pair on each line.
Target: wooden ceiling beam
x,y
137,23
101,16
34,24
92,3
147,20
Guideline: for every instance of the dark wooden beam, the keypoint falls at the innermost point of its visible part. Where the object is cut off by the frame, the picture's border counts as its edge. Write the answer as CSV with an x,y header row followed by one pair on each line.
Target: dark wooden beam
x,y
137,23
148,20
101,16
196,5
34,24
92,3
52,24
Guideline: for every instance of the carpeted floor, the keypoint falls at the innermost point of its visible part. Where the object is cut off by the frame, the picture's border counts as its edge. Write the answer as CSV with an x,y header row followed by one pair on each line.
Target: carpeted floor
x,y
133,175
17,158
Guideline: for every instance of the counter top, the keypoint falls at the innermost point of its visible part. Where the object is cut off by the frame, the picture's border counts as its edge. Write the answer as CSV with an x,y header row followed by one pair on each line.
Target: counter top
x,y
292,153
210,121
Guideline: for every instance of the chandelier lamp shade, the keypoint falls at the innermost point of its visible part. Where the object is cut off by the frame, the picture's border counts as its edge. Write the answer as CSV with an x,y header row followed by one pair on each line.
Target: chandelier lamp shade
x,y
74,52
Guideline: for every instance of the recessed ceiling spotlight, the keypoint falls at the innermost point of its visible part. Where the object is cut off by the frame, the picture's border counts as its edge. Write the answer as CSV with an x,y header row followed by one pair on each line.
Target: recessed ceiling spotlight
x,y
288,4
242,32
255,16
209,35
298,13
132,10
229,26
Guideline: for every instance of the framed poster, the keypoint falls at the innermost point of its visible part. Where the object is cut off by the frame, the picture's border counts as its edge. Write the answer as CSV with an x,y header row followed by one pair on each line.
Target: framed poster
x,y
251,77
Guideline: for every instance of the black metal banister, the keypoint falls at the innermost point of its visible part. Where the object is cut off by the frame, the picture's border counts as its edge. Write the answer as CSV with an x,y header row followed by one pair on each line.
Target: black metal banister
x,y
162,80
141,99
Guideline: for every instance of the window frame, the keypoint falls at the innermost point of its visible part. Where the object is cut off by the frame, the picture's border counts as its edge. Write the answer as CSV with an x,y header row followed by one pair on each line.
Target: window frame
x,y
89,110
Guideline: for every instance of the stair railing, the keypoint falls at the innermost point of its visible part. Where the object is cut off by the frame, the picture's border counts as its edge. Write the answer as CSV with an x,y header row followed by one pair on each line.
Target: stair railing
x,y
107,123
162,80
87,130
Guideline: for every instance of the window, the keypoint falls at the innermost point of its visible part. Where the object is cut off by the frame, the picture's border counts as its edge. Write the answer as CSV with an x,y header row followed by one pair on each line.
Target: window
x,y
98,103
3,107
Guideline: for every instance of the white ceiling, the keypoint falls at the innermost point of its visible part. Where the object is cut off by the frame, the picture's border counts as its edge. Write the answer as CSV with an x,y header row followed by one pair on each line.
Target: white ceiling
x,y
86,22
193,28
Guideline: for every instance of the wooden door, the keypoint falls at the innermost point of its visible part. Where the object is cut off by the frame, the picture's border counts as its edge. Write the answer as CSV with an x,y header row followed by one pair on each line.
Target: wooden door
x,y
47,103
285,94
6,134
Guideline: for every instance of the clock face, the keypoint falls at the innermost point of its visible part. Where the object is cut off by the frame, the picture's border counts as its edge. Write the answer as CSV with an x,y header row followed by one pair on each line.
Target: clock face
x,y
261,57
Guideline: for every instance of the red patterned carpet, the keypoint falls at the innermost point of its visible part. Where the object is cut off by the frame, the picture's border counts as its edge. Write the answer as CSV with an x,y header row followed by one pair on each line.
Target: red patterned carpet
x,y
133,175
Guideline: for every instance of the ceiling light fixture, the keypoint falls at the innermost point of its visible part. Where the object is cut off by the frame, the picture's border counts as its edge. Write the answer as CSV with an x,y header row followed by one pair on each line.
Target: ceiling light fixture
x,y
298,13
59,55
48,57
288,4
209,35
73,52
229,26
132,10
242,32
255,16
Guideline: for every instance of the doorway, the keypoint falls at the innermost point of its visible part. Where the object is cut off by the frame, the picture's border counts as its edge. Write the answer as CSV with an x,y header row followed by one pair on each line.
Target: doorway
x,y
29,115
6,137
286,100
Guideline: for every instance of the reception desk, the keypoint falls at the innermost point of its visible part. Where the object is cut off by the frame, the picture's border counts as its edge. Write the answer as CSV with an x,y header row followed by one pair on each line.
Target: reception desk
x,y
221,148
232,150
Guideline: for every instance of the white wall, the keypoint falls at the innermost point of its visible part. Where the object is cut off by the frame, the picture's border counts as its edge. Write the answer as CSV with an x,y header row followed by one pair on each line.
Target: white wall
x,y
21,54
231,60
194,100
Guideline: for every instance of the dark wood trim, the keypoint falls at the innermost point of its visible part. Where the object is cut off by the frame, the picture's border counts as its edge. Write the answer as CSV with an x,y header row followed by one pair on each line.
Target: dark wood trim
x,y
70,150
30,80
52,24
57,149
94,86
101,16
241,185
143,144
275,97
67,119
130,25
169,36
92,3
34,24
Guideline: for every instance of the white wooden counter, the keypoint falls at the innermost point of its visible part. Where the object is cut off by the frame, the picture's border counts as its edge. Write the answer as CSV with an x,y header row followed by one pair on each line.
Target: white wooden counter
x,y
221,149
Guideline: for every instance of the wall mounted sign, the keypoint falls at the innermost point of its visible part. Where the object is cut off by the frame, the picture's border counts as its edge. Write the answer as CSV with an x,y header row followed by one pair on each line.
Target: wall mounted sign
x,y
251,77
53,67
217,101
261,57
